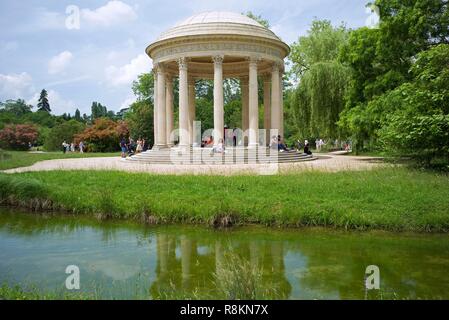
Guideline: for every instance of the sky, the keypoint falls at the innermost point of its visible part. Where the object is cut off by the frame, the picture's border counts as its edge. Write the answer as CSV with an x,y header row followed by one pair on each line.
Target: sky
x,y
43,46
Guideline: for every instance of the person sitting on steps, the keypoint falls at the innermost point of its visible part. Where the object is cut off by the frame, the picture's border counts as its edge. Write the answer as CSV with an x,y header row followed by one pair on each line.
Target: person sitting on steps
x,y
306,148
281,145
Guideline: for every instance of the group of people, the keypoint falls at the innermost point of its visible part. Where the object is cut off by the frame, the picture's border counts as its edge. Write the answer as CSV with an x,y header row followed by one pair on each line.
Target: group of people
x,y
132,147
279,144
73,147
319,144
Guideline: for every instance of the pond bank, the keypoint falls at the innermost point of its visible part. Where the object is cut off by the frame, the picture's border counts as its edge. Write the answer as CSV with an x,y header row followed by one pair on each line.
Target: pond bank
x,y
396,199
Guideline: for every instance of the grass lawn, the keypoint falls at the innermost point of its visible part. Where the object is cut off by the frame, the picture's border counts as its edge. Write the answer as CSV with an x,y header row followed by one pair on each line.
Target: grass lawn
x,y
397,199
15,159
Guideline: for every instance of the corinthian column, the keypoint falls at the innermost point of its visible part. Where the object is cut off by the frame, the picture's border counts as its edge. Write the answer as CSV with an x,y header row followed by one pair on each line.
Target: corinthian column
x,y
267,108
169,109
183,104
275,98
218,99
281,105
245,111
161,141
191,109
253,104
155,106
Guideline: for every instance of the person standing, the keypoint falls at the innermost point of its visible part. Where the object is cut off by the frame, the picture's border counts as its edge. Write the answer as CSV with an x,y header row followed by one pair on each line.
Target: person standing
x,y
123,147
81,146
64,147
139,147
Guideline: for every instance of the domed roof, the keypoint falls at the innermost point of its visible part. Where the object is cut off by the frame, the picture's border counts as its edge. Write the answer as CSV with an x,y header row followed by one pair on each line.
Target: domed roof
x,y
218,23
218,16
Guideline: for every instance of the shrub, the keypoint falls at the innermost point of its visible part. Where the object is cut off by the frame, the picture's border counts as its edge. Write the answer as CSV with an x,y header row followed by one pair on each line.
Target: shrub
x,y
65,131
104,135
18,137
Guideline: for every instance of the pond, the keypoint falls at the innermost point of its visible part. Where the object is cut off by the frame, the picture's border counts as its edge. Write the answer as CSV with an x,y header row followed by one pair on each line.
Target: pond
x,y
119,259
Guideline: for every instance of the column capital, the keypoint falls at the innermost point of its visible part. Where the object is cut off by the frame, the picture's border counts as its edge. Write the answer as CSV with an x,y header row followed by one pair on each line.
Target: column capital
x,y
183,63
275,67
218,59
160,69
253,60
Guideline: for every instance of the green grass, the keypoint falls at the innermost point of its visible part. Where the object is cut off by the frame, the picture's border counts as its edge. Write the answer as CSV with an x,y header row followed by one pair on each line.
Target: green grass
x,y
397,199
32,293
15,159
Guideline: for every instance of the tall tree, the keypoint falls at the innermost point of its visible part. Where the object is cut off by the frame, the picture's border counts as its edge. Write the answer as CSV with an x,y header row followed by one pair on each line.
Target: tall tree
x,y
318,99
43,104
78,115
381,59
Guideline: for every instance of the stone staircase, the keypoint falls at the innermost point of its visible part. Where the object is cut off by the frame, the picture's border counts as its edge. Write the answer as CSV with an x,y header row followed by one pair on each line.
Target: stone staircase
x,y
237,155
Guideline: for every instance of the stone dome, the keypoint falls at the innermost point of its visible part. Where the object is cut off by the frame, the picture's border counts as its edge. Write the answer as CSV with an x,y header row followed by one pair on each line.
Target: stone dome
x,y
218,22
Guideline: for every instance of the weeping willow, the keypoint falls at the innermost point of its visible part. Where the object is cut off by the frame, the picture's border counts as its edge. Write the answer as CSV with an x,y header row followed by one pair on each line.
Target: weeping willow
x,y
319,98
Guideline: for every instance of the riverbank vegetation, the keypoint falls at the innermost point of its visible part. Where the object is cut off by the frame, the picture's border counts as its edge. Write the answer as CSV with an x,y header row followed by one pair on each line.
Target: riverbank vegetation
x,y
395,199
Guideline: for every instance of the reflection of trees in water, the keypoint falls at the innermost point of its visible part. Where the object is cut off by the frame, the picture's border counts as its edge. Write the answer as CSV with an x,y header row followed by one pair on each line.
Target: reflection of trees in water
x,y
337,264
191,274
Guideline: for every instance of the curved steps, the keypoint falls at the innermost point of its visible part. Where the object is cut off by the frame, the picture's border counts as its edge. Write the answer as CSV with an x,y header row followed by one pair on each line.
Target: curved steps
x,y
197,156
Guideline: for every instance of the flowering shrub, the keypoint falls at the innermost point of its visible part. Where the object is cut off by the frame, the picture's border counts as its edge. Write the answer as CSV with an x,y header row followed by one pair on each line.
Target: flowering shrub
x,y
104,135
18,137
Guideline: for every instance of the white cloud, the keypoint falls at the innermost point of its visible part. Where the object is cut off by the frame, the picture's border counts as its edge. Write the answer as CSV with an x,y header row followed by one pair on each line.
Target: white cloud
x,y
124,75
114,12
58,104
14,86
59,62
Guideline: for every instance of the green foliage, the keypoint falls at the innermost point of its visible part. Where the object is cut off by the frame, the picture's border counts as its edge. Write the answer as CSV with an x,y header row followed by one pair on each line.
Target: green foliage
x,y
259,19
318,99
415,119
16,107
43,104
140,120
384,69
77,116
143,87
100,111
204,113
424,137
65,131
321,44
21,188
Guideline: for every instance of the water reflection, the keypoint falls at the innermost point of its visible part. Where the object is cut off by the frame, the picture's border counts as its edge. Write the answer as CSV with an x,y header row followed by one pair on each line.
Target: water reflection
x,y
180,261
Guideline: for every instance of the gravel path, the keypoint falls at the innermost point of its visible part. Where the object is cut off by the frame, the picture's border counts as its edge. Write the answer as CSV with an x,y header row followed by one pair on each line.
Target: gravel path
x,y
325,162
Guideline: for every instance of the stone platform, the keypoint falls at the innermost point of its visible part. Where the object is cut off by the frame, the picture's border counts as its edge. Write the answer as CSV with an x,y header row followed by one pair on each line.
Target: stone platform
x,y
236,155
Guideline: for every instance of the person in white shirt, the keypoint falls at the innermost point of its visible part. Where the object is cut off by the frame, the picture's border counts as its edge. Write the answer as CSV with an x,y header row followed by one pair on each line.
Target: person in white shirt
x,y
219,148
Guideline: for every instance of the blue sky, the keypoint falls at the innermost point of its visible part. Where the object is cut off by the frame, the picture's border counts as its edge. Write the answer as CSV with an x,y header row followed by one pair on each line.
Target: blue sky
x,y
99,61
